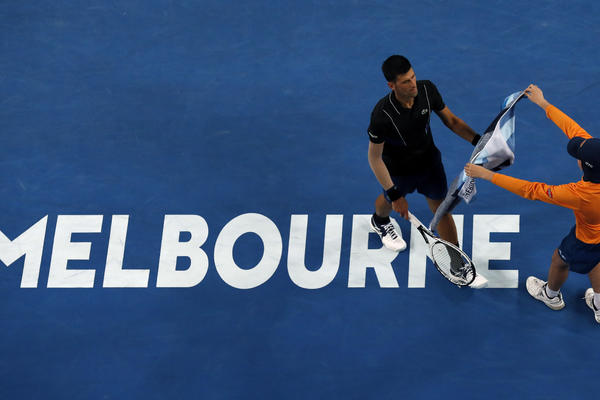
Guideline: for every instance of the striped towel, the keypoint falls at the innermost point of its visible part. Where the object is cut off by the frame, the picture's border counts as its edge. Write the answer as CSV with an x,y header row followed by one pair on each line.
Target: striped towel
x,y
495,151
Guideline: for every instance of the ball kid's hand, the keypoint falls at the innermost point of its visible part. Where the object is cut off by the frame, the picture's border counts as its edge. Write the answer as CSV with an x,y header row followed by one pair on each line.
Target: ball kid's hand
x,y
477,171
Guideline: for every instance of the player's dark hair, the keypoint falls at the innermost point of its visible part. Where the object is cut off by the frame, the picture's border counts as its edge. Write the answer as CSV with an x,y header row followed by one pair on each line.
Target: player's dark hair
x,y
395,65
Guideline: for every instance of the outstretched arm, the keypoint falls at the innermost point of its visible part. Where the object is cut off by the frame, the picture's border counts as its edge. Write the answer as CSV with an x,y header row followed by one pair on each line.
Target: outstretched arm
x,y
477,171
458,126
536,96
561,195
562,120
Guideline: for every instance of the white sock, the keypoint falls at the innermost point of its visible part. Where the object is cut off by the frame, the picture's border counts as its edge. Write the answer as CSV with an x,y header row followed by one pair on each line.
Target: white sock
x,y
551,293
597,300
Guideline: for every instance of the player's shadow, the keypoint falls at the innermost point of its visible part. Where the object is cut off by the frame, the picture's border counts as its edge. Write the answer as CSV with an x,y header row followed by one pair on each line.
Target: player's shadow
x,y
446,289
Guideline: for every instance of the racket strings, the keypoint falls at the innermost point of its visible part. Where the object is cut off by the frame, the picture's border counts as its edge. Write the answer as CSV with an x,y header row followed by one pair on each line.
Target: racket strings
x,y
452,263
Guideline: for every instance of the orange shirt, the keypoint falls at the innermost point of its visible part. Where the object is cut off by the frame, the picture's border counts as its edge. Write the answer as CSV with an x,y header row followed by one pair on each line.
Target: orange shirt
x,y
582,197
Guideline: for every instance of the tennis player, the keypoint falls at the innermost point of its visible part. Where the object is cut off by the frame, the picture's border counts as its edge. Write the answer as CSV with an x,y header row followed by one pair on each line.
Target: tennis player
x,y
580,249
402,153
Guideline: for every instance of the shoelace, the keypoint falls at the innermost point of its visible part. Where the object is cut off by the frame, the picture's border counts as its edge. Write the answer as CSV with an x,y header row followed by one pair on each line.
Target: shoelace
x,y
389,230
555,298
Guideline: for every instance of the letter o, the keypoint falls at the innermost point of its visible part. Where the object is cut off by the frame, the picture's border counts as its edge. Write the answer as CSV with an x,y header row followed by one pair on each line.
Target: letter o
x,y
267,231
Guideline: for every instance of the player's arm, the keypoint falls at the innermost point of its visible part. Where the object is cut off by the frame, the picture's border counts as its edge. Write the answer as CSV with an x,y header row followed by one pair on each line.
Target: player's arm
x,y
378,166
561,195
562,120
383,177
458,126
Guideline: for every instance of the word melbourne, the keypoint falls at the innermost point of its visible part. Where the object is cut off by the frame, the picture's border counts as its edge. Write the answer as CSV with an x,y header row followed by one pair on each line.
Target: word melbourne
x,y
183,236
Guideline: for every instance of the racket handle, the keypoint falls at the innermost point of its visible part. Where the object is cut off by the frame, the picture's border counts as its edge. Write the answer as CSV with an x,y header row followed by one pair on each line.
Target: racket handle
x,y
414,220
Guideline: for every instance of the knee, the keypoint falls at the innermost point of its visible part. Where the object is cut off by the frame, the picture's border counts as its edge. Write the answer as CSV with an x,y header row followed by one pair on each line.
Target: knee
x,y
558,262
447,218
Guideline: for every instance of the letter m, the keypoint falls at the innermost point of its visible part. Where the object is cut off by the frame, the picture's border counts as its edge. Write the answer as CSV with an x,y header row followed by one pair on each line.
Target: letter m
x,y
29,244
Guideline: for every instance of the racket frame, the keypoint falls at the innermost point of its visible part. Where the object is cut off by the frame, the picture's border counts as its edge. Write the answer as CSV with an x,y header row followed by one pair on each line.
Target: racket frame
x,y
430,240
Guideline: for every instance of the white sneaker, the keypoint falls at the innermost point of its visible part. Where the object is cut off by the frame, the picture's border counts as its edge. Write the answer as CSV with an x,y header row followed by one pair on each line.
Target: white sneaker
x,y
537,289
390,238
589,300
479,282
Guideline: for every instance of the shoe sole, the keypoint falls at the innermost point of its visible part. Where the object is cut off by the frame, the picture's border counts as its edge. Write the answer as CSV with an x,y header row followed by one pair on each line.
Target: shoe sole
x,y
589,304
553,307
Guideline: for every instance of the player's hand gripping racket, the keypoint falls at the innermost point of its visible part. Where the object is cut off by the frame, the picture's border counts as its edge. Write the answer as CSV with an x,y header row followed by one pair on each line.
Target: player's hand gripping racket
x,y
453,263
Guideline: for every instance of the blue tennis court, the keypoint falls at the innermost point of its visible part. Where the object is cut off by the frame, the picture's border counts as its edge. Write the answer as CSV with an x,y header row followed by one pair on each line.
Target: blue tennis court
x,y
186,197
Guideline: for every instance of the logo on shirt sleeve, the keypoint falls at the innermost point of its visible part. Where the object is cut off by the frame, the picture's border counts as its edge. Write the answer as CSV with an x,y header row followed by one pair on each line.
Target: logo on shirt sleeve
x,y
549,192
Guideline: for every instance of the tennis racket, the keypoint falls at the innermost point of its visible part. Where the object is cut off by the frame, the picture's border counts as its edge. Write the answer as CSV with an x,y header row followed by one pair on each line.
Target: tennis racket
x,y
453,263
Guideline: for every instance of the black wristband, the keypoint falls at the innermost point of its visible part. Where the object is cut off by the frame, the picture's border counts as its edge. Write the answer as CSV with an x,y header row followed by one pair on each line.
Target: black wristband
x,y
393,193
476,139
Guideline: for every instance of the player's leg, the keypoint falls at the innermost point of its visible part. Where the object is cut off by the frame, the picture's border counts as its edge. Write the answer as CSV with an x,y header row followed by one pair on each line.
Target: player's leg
x,y
382,207
382,225
594,276
446,228
549,292
434,187
557,274
447,231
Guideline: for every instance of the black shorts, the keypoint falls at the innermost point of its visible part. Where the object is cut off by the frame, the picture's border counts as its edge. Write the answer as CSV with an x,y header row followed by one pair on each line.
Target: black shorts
x,y
431,183
582,257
